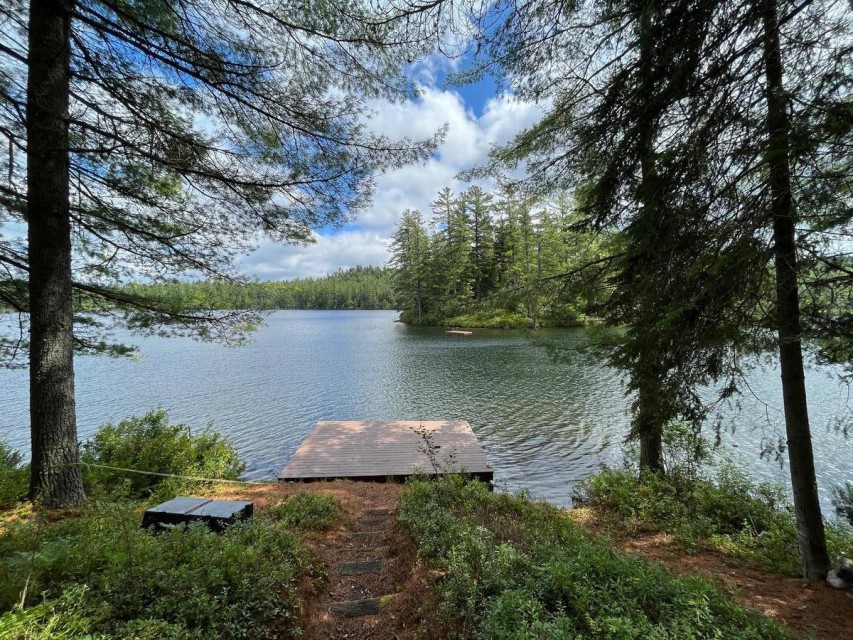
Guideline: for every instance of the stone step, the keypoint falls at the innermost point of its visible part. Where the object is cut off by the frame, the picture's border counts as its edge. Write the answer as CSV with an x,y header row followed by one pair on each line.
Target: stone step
x,y
358,608
377,512
358,568
369,522
365,536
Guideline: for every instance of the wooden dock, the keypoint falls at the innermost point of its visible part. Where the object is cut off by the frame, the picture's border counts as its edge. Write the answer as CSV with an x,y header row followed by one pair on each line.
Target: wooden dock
x,y
456,332
377,451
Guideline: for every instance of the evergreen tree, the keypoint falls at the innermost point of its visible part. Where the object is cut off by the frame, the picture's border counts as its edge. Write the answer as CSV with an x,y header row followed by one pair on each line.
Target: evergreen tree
x,y
711,136
517,255
478,206
156,138
450,253
410,257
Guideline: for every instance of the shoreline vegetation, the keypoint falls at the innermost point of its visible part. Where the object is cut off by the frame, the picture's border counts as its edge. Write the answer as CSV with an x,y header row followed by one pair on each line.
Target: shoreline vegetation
x,y
357,288
467,562
502,261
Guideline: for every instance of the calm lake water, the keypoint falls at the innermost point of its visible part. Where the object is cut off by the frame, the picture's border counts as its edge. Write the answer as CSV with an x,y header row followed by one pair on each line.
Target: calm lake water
x,y
545,425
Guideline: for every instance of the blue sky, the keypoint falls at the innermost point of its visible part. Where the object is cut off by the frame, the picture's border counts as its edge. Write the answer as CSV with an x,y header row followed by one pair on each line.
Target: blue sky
x,y
477,119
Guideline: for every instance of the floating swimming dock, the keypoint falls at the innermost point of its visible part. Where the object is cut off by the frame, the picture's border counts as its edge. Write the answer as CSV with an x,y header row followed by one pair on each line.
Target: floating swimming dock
x,y
456,332
378,450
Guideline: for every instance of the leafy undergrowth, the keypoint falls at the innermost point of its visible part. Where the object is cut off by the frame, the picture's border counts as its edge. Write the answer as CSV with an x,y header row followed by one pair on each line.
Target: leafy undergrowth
x,y
308,511
729,512
151,443
96,573
489,320
92,572
519,569
13,476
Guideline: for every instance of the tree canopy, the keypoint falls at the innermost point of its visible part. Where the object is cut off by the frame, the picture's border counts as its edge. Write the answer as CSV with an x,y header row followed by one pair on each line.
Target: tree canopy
x,y
714,139
149,139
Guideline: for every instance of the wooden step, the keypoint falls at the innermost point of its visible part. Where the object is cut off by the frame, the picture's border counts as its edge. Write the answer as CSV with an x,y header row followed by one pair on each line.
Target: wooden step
x,y
358,568
377,512
358,608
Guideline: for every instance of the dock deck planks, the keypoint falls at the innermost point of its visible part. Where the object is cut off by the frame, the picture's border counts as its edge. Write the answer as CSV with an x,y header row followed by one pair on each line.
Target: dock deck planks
x,y
378,450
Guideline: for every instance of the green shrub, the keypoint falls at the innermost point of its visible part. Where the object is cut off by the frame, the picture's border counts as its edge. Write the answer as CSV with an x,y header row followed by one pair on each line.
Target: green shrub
x,y
842,500
490,319
99,574
304,510
562,315
730,511
150,443
14,476
518,569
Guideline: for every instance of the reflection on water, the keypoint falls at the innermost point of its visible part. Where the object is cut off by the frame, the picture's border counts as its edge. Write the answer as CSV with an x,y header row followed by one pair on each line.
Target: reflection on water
x,y
545,424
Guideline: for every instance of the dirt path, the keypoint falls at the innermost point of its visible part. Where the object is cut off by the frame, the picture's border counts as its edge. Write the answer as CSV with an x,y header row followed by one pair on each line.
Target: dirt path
x,y
806,608
369,564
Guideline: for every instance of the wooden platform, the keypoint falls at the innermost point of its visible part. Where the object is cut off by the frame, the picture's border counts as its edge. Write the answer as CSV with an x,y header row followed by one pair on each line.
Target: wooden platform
x,y
456,332
216,514
381,450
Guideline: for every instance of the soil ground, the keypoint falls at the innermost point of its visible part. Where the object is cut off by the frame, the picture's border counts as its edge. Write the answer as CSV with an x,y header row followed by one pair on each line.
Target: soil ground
x,y
812,610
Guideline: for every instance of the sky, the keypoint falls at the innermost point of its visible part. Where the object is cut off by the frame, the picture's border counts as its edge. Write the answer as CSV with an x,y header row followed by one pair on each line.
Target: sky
x,y
477,118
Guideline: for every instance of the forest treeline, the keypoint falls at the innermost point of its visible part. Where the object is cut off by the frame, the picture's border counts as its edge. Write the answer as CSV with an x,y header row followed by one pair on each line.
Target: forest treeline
x,y
364,288
495,261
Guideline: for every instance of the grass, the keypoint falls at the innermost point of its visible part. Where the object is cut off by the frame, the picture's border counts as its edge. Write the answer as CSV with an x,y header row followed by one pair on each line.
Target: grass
x,y
518,569
727,511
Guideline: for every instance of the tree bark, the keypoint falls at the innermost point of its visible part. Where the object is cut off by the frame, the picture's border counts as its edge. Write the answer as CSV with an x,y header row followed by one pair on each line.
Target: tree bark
x,y
56,478
814,558
647,421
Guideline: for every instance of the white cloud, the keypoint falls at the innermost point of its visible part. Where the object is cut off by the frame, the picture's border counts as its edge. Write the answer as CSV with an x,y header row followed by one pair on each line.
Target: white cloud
x,y
365,242
330,252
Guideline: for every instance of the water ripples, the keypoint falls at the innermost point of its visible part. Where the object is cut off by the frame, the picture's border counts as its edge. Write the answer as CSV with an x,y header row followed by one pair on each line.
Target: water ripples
x,y
544,424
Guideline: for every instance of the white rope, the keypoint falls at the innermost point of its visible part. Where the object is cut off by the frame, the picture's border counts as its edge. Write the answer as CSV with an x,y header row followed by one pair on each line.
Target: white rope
x,y
174,475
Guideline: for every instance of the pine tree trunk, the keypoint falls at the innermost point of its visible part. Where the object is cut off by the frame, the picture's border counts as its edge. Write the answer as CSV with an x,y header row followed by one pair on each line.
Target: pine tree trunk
x,y
814,558
56,478
651,452
647,425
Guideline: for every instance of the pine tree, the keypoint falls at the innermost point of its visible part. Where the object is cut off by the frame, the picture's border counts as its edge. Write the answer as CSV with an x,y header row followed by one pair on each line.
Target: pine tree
x,y
411,258
478,205
450,253
714,144
160,138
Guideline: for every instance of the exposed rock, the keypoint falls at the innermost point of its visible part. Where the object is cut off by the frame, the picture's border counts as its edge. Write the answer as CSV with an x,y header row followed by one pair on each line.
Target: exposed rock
x,y
841,575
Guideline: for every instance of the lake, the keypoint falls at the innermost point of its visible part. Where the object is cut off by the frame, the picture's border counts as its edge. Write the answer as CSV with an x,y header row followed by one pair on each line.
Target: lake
x,y
544,424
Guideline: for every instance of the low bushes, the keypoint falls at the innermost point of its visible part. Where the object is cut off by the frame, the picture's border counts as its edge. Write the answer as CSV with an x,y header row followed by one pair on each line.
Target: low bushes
x,y
304,511
518,569
13,476
98,574
490,319
842,500
150,443
92,572
728,511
